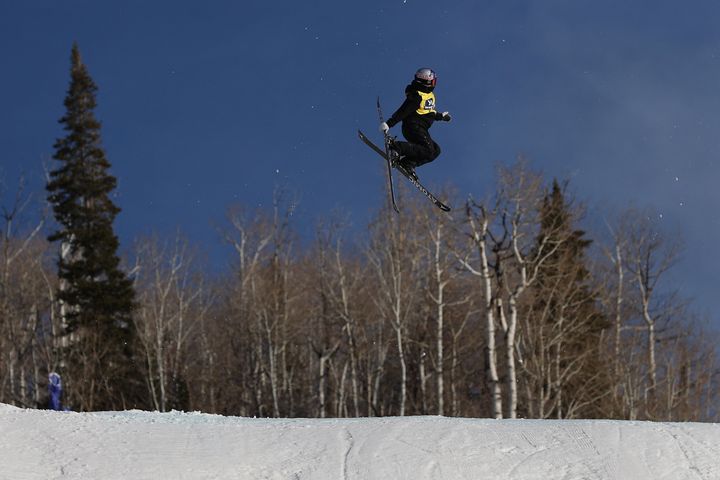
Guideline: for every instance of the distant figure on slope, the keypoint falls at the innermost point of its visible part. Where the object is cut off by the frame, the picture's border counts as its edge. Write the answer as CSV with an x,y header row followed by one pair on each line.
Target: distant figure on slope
x,y
417,115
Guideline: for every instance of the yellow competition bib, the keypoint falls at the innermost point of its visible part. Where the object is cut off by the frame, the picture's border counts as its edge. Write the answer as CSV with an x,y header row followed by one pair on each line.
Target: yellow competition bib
x,y
427,103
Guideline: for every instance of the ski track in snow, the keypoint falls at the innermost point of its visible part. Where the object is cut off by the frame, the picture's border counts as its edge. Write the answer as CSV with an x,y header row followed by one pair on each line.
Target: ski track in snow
x,y
37,444
348,442
695,452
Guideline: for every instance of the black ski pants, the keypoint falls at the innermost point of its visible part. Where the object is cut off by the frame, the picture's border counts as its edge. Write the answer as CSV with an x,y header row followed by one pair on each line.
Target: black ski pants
x,y
420,148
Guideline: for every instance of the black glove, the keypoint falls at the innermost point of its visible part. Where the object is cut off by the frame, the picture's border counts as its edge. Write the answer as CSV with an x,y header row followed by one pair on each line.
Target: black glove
x,y
446,116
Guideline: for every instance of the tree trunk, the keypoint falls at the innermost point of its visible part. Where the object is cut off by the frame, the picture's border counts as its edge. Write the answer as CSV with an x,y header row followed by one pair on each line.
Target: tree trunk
x,y
512,384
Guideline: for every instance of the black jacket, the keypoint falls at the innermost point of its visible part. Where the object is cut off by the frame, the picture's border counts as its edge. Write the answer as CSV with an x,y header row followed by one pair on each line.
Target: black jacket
x,y
408,110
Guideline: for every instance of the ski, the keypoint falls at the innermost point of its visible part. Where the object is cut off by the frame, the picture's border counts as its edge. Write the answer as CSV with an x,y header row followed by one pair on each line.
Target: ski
x,y
404,173
385,154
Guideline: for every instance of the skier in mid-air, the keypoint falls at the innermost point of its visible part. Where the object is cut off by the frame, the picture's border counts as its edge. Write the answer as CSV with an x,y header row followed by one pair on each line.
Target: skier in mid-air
x,y
417,114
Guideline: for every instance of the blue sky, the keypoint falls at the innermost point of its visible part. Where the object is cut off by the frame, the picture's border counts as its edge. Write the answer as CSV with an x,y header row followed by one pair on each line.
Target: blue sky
x,y
207,104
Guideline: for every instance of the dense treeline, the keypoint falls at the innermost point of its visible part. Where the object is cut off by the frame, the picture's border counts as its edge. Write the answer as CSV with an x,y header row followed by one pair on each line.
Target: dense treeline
x,y
504,308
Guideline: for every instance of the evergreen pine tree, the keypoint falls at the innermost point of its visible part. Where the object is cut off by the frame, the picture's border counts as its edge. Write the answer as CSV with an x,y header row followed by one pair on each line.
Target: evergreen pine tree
x,y
567,305
97,298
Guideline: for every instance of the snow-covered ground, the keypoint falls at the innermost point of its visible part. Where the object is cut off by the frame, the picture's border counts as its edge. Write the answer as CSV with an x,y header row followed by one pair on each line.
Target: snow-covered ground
x,y
40,444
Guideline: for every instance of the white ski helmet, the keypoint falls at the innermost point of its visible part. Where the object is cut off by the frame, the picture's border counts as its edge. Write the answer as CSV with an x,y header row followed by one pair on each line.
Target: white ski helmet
x,y
426,76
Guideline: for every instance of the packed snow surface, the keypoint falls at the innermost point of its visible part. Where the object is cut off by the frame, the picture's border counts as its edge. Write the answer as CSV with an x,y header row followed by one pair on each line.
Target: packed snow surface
x,y
40,444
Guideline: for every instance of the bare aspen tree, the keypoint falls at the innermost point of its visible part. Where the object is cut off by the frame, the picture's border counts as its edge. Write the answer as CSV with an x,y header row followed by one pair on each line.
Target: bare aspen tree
x,y
650,256
344,286
171,298
526,267
23,300
443,281
338,283
615,254
479,223
619,302
341,409
262,355
324,356
322,338
251,235
393,255
273,310
520,249
508,265
377,342
655,366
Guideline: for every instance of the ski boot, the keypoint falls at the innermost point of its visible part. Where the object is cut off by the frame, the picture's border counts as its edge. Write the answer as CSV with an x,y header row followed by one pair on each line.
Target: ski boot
x,y
405,167
398,160
393,150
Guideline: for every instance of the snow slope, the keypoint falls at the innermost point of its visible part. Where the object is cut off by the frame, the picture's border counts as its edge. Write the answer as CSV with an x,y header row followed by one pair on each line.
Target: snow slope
x,y
40,444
